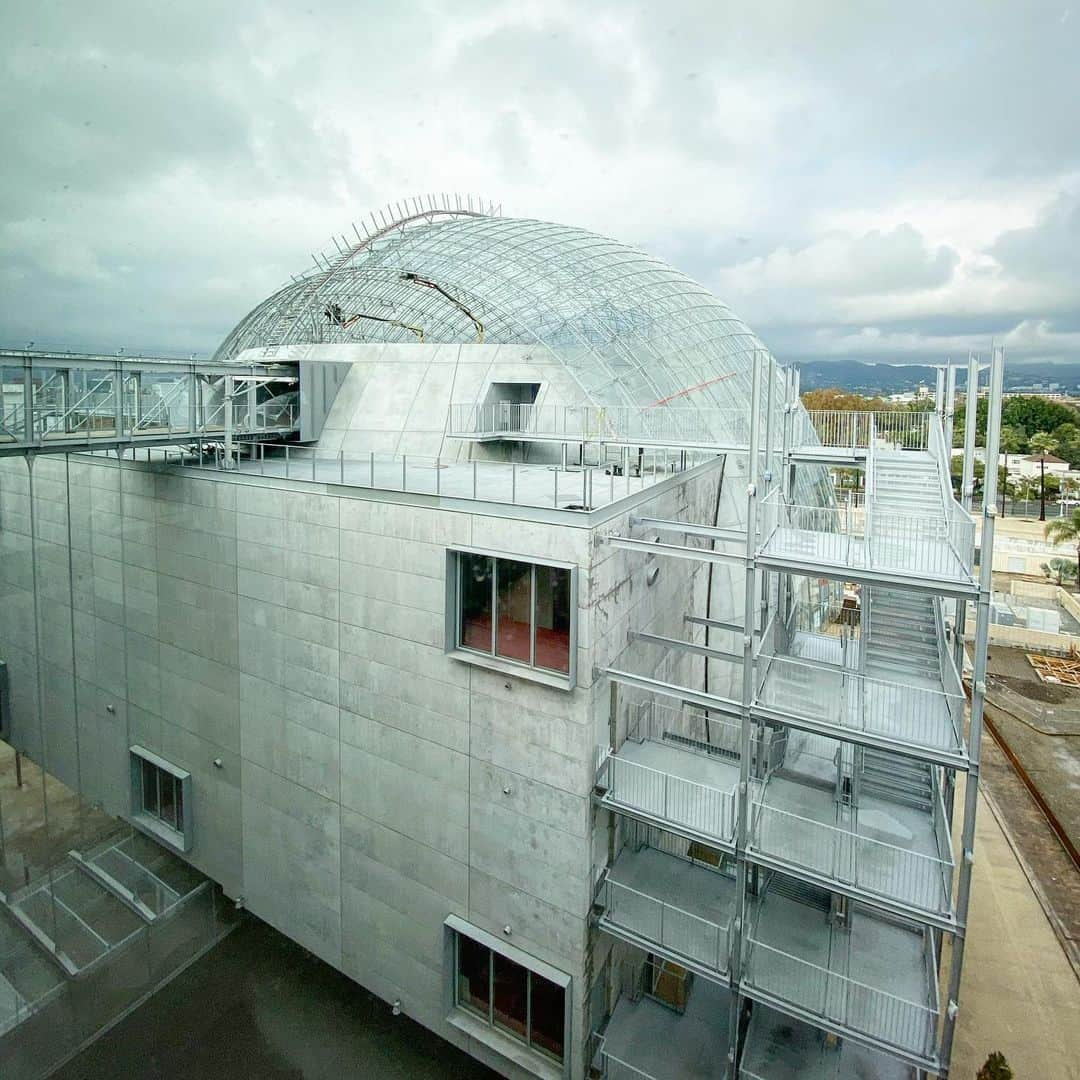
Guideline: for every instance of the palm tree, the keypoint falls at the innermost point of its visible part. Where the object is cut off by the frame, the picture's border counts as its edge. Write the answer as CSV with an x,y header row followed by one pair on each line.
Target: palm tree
x,y
1066,530
1011,442
1043,444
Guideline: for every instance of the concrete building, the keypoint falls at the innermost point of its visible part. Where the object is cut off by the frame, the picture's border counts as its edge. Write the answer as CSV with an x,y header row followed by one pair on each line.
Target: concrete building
x,y
475,618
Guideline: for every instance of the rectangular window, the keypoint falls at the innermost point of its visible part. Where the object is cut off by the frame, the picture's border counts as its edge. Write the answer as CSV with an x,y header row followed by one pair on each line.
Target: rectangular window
x,y
511,610
510,997
159,798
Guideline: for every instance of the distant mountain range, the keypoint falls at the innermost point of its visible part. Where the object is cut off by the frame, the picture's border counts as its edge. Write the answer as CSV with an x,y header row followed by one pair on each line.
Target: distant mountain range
x,y
864,378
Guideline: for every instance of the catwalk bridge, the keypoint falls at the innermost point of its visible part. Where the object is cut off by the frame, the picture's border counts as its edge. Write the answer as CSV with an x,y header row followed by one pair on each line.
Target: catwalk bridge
x,y
61,402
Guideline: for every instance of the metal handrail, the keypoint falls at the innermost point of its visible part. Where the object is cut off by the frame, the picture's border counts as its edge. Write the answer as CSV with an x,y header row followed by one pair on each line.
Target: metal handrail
x,y
909,1025
912,866
829,694
672,932
702,807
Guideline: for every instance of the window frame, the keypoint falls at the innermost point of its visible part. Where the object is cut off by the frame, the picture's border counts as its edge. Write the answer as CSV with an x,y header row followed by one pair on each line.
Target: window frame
x,y
458,930
563,680
179,837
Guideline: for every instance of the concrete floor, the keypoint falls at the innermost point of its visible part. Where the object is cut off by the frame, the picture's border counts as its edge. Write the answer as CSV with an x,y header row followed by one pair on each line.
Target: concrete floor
x,y
653,1038
259,1006
781,1048
886,832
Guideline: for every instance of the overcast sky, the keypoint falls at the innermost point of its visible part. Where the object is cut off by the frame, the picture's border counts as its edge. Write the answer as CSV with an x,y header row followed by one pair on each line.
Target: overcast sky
x,y
884,181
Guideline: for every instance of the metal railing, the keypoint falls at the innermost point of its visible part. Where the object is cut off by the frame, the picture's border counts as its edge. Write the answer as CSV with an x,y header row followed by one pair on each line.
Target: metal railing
x,y
571,488
669,798
907,1025
592,423
851,536
843,429
844,856
608,1065
680,932
914,715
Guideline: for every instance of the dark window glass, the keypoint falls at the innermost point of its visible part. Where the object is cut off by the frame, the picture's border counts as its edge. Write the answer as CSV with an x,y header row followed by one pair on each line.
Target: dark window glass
x,y
511,996
548,1013
553,616
513,635
150,788
474,965
476,574
179,787
167,787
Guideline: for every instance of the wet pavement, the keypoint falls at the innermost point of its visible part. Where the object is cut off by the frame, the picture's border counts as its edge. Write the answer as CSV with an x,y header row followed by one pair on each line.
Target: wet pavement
x,y
260,1006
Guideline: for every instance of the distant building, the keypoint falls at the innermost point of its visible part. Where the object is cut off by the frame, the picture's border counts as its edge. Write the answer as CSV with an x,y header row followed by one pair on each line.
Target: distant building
x,y
1028,466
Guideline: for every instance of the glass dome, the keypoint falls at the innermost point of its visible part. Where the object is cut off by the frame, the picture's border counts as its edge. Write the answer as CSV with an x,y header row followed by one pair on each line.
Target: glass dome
x,y
630,329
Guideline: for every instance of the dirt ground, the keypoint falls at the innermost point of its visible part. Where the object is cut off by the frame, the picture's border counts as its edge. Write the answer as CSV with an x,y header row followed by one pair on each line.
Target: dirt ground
x,y
1040,723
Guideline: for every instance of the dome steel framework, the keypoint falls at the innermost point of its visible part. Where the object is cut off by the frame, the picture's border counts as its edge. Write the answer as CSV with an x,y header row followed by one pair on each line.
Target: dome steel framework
x,y
631,329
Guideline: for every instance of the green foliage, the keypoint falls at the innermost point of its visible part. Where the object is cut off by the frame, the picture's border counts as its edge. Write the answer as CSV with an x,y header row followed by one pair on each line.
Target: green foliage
x,y
995,1068
1059,571
1027,415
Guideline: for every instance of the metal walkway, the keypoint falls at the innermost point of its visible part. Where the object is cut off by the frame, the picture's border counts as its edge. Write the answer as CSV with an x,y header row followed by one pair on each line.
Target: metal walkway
x,y
58,402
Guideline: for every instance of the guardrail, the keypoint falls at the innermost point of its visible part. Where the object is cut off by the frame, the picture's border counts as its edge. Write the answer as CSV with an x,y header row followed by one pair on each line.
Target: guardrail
x,y
579,488
915,715
846,857
907,1025
607,1065
842,429
856,537
680,932
591,423
669,798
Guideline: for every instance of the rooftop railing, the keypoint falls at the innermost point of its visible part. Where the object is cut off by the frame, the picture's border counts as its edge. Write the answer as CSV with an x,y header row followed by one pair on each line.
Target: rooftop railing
x,y
553,486
898,429
591,423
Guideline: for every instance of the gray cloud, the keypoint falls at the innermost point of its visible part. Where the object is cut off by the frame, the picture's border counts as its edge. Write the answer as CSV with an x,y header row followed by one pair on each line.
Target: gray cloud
x,y
881,181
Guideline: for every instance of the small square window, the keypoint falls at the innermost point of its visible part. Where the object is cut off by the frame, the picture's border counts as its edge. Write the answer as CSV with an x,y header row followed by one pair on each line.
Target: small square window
x,y
159,799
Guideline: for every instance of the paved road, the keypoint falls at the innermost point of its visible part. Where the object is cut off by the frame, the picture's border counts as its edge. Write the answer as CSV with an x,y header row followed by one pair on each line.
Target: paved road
x,y
259,1006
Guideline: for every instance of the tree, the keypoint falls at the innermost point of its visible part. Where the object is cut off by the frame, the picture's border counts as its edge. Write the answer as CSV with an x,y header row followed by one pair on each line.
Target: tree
x,y
1068,443
1059,571
995,1068
1042,444
1012,442
1066,530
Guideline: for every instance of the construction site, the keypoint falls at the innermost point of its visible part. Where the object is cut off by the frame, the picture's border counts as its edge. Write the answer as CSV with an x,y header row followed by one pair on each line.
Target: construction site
x,y
484,617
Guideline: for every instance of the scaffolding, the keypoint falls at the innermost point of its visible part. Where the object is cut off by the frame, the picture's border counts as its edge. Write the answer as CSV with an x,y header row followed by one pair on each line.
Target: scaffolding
x,y
791,842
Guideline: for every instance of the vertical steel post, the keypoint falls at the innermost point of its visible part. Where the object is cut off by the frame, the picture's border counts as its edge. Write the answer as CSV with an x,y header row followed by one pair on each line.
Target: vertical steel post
x,y
971,415
229,425
950,410
28,400
193,401
978,697
939,393
738,924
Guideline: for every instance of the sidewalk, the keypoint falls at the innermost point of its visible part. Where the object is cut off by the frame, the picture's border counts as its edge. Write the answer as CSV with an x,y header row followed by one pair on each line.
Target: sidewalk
x,y
1019,994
